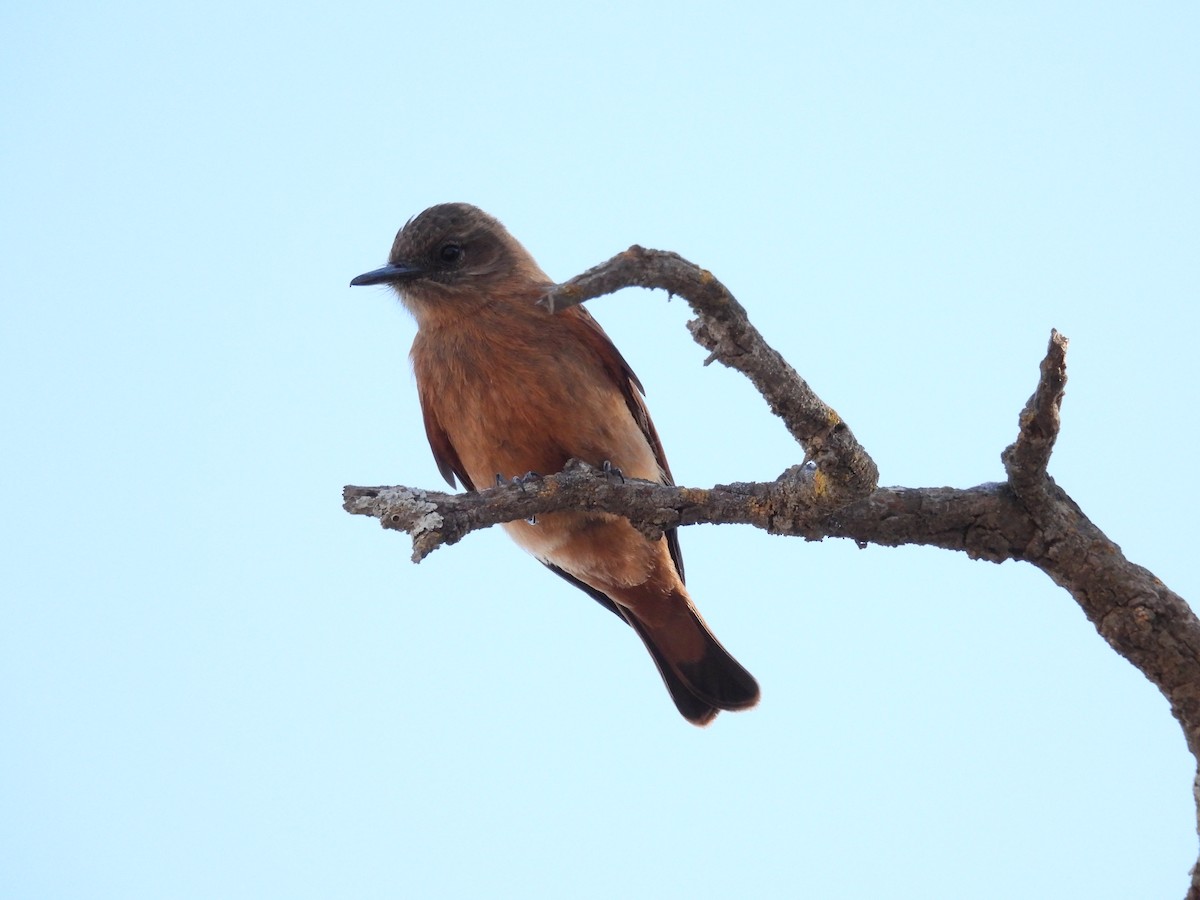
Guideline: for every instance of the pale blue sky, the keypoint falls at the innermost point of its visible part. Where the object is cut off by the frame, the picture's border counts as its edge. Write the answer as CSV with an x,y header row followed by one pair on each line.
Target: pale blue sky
x,y
215,683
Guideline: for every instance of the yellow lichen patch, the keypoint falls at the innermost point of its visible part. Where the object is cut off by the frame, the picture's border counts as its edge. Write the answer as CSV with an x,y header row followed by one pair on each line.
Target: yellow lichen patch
x,y
820,483
761,507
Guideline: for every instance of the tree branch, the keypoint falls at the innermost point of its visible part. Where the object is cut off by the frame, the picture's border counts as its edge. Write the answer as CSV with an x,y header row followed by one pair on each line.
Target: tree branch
x,y
985,522
844,470
833,493
1026,459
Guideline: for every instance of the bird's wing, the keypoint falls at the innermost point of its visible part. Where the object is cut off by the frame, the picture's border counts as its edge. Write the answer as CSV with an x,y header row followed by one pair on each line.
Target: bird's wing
x,y
444,453
631,389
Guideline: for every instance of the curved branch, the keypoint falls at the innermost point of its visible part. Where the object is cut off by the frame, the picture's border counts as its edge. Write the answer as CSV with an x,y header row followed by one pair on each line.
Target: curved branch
x,y
845,471
1027,518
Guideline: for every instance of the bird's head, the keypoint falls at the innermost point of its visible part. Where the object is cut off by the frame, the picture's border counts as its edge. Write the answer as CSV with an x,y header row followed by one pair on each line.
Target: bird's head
x,y
452,259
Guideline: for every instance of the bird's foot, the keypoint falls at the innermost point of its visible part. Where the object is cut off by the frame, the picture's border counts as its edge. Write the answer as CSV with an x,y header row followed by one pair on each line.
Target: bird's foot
x,y
612,473
517,480
520,481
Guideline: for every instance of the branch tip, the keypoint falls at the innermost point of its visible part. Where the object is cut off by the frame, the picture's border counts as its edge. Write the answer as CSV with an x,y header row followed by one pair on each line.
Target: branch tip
x,y
1027,459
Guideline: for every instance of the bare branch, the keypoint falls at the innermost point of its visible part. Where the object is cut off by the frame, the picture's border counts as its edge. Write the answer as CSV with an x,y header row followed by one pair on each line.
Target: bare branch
x,y
1027,458
434,518
1027,518
845,471
985,521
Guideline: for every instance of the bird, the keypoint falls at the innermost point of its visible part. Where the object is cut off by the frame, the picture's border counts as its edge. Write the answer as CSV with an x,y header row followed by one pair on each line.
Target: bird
x,y
510,390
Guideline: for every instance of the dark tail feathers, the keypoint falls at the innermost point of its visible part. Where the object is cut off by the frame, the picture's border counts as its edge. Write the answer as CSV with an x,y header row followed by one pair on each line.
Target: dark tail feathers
x,y
701,687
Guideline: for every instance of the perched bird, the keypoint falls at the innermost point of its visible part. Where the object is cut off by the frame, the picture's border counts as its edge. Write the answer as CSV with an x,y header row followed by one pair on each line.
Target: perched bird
x,y
507,389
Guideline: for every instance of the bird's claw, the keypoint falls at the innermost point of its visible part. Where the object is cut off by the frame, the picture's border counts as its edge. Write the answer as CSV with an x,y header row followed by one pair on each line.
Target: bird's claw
x,y
517,480
520,481
611,472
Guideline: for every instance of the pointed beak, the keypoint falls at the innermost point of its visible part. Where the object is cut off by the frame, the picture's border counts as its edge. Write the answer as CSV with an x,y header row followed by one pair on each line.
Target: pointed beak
x,y
390,272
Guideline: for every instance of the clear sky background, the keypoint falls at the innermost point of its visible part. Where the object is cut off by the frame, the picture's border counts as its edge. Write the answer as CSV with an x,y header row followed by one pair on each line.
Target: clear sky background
x,y
215,683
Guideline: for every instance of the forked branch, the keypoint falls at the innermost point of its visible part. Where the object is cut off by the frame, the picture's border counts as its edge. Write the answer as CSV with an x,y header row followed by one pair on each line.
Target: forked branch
x,y
833,492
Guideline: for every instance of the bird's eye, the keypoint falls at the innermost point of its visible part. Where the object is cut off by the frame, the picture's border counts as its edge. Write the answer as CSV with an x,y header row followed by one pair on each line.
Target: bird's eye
x,y
450,253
